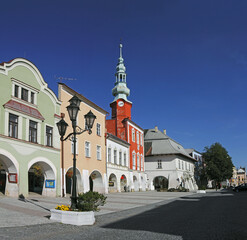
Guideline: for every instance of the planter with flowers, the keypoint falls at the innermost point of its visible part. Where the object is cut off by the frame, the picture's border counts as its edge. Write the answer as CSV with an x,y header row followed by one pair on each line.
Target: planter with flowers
x,y
87,204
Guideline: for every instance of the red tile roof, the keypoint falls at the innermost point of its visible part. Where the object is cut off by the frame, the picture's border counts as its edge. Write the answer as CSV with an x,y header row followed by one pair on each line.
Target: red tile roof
x,y
22,108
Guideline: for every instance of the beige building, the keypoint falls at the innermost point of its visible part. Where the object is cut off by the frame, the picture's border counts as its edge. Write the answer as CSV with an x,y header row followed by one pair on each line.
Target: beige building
x,y
90,149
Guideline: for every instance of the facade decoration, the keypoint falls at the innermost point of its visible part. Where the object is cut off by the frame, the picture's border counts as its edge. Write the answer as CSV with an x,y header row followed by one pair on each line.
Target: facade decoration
x,y
29,142
121,126
90,149
167,164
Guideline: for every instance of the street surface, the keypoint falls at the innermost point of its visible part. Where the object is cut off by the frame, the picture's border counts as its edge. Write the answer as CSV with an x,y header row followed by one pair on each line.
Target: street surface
x,y
141,215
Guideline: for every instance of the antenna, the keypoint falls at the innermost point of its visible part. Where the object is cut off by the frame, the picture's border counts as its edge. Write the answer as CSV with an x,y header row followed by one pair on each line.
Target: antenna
x,y
64,78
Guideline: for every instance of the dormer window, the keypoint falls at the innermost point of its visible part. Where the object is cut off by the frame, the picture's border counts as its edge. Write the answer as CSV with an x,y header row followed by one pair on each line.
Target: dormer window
x,y
32,97
24,94
16,91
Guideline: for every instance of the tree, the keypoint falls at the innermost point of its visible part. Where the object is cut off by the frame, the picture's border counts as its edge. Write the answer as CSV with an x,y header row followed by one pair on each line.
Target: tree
x,y
218,163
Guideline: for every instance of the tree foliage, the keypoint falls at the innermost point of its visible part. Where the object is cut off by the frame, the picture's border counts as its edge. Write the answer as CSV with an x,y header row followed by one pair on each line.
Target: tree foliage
x,y
218,163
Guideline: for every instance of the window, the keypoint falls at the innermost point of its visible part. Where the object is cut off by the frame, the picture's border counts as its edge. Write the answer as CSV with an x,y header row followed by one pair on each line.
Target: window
x,y
98,129
125,162
137,137
98,152
115,156
138,162
109,154
141,139
183,165
189,167
24,94
159,164
72,146
32,97
134,160
87,149
179,164
49,136
16,91
33,131
13,126
120,158
133,135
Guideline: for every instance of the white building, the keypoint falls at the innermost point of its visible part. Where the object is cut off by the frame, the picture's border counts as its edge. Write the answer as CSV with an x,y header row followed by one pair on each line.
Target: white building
x,y
167,164
118,164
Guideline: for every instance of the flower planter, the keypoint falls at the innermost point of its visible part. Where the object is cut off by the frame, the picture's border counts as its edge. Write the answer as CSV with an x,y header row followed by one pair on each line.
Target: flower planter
x,y
201,191
73,217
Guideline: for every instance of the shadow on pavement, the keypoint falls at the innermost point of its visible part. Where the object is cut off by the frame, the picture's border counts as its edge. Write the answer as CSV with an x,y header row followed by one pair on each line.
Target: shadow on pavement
x,y
220,215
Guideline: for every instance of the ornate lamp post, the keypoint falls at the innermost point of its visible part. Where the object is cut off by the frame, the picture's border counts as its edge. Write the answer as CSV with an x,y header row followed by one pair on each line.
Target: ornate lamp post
x,y
73,109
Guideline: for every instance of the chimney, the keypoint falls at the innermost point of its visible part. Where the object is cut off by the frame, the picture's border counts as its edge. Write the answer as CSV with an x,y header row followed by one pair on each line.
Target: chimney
x,y
164,131
156,129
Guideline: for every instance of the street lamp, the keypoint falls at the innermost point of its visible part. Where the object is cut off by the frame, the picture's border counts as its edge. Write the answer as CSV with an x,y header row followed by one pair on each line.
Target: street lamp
x,y
73,109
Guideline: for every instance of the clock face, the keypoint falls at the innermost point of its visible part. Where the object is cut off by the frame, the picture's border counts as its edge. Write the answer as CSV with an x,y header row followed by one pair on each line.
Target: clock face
x,y
120,103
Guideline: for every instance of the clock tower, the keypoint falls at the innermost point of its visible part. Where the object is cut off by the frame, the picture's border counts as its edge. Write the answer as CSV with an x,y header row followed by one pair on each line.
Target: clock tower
x,y
121,106
124,129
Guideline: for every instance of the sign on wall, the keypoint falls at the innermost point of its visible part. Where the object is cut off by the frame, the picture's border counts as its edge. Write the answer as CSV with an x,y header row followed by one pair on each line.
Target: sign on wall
x,y
12,177
50,183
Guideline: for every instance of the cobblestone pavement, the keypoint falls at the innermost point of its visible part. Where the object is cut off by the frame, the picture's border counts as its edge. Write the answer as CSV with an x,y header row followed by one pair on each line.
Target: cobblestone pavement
x,y
36,209
30,219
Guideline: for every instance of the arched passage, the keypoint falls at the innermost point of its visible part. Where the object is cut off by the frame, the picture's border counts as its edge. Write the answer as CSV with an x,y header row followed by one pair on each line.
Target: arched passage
x,y
123,183
96,182
112,183
69,181
8,175
136,185
160,183
42,178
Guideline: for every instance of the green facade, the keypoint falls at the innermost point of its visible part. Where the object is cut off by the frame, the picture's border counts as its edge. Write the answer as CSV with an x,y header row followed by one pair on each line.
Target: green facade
x,y
17,152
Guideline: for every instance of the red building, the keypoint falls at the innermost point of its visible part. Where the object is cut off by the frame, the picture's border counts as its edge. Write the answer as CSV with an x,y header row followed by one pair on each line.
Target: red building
x,y
123,127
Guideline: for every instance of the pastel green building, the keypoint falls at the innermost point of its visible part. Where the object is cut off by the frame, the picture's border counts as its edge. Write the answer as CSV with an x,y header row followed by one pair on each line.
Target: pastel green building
x,y
29,139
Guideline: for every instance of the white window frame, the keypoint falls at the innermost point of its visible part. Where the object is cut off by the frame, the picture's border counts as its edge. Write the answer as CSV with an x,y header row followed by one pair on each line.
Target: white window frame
x,y
115,156
98,147
120,157
133,135
138,161
87,148
134,160
125,159
109,154
159,164
98,129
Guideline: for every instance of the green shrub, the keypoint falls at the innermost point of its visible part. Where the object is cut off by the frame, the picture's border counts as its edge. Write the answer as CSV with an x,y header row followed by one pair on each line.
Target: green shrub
x,y
90,201
202,188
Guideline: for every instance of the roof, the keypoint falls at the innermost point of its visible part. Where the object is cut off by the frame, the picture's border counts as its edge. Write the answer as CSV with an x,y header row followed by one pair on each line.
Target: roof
x,y
162,144
117,139
22,108
82,98
128,120
191,150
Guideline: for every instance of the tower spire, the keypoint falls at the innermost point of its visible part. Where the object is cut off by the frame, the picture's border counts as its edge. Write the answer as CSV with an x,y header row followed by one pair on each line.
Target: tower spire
x,y
120,90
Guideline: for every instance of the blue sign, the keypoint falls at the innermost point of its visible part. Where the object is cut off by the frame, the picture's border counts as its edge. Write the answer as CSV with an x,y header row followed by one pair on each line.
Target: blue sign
x,y
50,183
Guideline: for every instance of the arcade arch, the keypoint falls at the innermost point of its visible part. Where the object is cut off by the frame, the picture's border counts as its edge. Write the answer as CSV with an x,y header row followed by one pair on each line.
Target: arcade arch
x,y
96,182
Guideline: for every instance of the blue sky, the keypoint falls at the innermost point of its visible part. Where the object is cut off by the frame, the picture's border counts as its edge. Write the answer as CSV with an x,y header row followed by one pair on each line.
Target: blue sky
x,y
186,60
